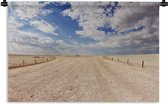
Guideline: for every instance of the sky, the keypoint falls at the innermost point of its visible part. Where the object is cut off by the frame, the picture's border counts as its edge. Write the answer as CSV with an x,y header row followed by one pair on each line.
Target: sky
x,y
83,28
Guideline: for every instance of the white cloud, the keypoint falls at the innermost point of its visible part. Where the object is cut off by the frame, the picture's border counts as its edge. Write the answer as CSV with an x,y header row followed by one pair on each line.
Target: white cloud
x,y
126,17
28,9
92,17
31,11
89,19
44,26
22,42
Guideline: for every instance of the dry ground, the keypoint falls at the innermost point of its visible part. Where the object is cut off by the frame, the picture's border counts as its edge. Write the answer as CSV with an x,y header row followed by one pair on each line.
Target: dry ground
x,y
25,60
86,79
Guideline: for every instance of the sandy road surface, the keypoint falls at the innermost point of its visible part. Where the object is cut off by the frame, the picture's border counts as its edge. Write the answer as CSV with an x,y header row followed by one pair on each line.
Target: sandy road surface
x,y
82,79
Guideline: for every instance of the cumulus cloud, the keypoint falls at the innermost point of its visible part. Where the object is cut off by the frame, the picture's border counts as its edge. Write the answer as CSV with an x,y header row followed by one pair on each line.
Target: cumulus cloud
x,y
24,42
27,42
28,9
126,16
44,26
90,16
28,12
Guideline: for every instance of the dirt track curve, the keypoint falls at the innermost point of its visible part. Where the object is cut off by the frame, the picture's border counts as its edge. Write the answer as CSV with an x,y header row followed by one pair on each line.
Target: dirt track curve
x,y
82,79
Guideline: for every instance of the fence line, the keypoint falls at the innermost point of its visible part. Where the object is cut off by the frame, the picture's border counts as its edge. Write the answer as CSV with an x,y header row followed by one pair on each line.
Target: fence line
x,y
126,62
36,61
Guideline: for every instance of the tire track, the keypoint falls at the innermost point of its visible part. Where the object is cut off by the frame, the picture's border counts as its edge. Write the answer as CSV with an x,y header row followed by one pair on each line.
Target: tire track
x,y
68,78
103,85
81,79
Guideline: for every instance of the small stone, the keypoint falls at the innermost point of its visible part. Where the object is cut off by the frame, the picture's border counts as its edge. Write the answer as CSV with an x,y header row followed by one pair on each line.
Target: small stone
x,y
71,89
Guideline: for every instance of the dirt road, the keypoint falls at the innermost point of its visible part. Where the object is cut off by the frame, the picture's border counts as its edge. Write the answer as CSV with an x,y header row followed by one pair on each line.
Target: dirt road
x,y
82,79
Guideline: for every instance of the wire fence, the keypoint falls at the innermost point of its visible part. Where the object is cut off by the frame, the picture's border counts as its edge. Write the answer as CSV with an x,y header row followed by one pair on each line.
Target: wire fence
x,y
126,61
34,61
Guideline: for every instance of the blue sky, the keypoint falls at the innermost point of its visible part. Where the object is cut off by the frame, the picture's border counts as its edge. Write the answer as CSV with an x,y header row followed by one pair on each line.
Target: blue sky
x,y
85,28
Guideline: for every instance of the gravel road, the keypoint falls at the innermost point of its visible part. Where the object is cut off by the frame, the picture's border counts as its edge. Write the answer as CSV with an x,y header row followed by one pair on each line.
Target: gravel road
x,y
82,79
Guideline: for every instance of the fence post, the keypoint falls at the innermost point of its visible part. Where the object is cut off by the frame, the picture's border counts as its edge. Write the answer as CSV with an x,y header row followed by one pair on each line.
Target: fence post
x,y
35,61
23,62
128,61
142,64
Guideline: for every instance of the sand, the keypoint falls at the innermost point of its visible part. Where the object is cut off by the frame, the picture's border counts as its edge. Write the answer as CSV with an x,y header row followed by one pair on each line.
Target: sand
x,y
86,79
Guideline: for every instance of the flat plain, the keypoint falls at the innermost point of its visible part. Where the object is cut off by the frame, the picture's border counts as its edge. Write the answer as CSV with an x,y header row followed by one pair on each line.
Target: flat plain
x,y
84,78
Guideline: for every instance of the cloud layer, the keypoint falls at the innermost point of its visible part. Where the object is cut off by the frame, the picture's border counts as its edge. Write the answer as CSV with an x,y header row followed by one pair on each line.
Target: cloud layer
x,y
97,28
